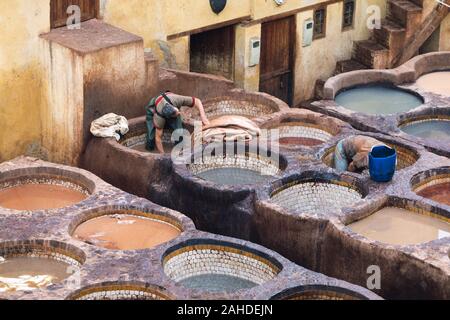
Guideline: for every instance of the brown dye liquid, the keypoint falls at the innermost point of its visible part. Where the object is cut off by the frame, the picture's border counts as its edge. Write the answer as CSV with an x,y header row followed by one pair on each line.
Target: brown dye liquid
x,y
401,227
439,193
125,232
309,142
25,273
437,82
39,197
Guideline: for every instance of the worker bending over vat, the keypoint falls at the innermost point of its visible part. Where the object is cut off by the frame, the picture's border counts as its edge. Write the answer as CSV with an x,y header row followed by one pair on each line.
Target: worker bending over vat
x,y
163,112
352,153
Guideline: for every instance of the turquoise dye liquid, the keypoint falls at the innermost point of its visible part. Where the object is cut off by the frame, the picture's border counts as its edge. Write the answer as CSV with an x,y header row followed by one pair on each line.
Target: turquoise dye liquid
x,y
433,130
378,100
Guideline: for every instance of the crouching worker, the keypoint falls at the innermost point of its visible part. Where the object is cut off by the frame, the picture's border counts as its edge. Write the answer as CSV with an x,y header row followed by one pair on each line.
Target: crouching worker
x,y
352,153
163,112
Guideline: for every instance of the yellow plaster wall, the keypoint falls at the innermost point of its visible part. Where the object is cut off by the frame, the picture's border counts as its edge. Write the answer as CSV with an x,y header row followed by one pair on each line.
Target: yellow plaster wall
x,y
244,76
265,8
21,75
141,17
187,15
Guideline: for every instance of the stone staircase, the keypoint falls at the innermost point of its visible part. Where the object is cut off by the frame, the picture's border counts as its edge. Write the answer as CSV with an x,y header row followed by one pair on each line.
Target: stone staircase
x,y
402,33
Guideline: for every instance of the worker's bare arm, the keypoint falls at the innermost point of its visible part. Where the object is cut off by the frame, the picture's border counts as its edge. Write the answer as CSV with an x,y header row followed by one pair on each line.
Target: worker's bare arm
x,y
201,109
158,140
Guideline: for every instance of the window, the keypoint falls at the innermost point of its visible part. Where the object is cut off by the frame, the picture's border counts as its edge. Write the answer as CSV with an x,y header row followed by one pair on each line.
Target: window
x,y
348,14
320,20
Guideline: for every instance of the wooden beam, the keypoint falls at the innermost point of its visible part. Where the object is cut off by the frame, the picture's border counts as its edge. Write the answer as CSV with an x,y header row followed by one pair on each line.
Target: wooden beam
x,y
208,28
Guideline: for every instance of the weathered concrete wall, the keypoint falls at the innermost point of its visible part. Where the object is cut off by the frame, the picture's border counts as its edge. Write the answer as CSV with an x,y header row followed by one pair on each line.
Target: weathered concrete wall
x,y
61,117
21,76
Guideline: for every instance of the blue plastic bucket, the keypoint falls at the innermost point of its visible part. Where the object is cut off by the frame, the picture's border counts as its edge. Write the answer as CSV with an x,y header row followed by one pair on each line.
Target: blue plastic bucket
x,y
382,163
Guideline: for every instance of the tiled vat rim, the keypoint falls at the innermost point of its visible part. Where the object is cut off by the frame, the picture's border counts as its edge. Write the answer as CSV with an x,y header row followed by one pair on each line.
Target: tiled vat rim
x,y
406,156
120,291
58,251
231,106
400,203
423,118
304,130
49,180
432,181
425,212
200,259
242,106
316,196
318,292
140,138
319,180
47,175
249,161
153,215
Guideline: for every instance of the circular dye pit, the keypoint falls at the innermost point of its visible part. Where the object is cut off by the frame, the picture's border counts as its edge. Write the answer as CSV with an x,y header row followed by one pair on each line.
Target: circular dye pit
x,y
235,169
316,197
301,134
126,232
319,293
378,100
435,82
218,268
138,141
438,192
26,269
406,157
221,107
124,291
435,185
437,130
40,193
402,227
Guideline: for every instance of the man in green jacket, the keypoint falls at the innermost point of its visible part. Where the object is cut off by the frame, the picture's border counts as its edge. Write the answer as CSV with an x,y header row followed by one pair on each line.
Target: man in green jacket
x,y
163,112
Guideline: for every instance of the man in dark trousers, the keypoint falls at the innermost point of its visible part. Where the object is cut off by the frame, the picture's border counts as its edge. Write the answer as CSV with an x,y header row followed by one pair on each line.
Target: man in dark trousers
x,y
163,112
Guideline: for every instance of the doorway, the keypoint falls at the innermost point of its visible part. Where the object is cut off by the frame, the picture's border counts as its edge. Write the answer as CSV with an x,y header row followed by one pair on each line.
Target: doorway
x,y
277,58
212,52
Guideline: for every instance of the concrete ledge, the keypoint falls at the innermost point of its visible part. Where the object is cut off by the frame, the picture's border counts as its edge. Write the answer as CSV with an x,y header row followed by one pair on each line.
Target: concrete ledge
x,y
93,36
